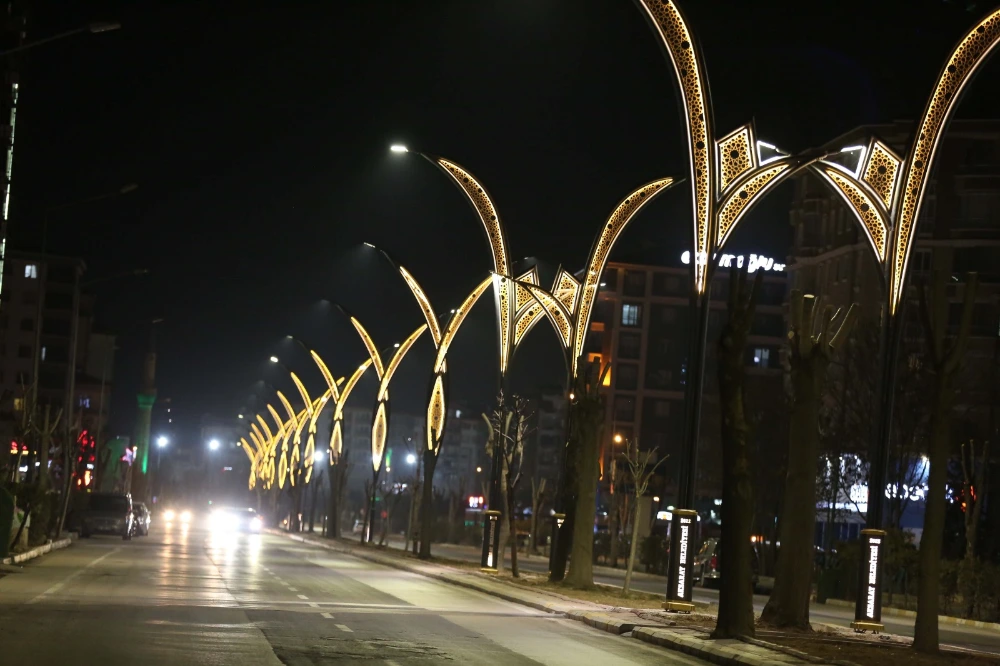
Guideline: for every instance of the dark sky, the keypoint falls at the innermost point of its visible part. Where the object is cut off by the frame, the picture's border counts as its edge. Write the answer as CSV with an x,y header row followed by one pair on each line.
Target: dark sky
x,y
258,133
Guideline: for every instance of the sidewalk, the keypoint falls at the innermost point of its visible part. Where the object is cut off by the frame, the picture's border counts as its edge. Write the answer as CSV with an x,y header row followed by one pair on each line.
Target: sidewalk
x,y
942,619
653,627
37,551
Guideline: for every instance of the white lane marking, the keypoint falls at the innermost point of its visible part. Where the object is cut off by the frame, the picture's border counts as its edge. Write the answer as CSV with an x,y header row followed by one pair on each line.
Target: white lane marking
x,y
344,627
292,589
301,596
326,615
74,575
313,605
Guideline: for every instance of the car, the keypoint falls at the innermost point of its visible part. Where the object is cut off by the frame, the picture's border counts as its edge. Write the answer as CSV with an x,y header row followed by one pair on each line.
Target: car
x,y
177,514
234,519
707,572
141,519
108,513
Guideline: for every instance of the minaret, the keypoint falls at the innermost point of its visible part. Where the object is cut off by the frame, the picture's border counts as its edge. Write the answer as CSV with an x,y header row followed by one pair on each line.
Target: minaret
x,y
146,398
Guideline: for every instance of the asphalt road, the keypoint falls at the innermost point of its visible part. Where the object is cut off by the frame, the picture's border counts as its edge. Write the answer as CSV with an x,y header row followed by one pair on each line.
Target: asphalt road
x,y
185,596
960,637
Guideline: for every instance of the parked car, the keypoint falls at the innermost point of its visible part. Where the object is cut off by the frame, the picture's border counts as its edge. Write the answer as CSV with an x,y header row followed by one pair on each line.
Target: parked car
x,y
141,519
706,567
108,513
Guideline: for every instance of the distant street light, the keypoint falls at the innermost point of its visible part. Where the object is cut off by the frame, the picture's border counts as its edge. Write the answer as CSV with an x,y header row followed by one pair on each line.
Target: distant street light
x,y
162,441
274,359
239,416
411,459
214,445
399,148
318,456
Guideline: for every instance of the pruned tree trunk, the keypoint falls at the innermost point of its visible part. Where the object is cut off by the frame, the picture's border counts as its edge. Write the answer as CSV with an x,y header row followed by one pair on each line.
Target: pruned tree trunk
x,y
974,480
946,355
537,495
427,505
586,429
809,357
630,565
736,584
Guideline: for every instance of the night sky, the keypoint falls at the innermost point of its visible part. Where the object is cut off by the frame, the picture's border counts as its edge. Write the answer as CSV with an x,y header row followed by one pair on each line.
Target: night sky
x,y
258,134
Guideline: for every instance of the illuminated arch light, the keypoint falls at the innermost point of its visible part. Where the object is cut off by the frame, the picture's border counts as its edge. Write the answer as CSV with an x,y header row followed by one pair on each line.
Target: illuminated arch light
x,y
557,313
331,383
743,196
606,239
461,312
670,26
522,297
863,206
483,205
735,156
379,431
336,434
425,305
963,62
567,289
436,414
881,172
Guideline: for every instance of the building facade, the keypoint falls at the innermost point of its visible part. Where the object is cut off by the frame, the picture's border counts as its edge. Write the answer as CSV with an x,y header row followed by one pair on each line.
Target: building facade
x,y
958,232
640,328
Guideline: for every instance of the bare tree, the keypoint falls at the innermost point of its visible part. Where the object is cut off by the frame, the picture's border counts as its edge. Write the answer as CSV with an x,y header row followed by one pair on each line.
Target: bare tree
x,y
641,469
509,427
974,486
735,616
391,494
812,342
945,354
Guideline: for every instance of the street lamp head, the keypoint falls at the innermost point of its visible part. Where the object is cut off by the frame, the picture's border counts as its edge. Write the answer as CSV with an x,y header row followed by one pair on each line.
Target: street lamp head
x,y
214,445
399,148
103,26
411,459
162,441
318,456
239,416
479,470
367,244
128,187
274,359
618,439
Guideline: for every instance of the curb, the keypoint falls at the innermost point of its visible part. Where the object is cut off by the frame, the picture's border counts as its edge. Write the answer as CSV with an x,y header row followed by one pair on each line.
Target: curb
x,y
942,619
38,551
733,652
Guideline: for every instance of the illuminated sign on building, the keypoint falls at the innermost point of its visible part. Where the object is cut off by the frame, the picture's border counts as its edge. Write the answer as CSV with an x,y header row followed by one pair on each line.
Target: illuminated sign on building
x,y
756,262
477,502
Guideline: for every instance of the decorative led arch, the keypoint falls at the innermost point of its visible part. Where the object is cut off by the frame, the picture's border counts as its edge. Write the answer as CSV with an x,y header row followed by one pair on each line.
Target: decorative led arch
x,y
380,420
729,176
437,412
885,192
481,202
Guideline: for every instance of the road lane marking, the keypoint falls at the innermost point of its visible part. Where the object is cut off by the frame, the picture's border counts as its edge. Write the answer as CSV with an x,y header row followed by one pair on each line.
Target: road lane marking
x,y
73,575
301,596
313,605
326,615
293,589
344,627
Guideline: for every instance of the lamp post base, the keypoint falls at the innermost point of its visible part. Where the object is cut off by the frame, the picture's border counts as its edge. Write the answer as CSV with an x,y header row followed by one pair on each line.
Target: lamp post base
x,y
678,607
862,626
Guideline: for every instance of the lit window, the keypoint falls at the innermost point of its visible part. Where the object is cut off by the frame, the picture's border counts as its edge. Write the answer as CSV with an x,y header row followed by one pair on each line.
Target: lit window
x,y
631,315
762,357
18,404
31,271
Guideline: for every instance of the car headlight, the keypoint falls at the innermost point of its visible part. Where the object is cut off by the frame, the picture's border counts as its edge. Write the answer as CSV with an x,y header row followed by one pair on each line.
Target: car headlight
x,y
185,516
256,523
169,515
